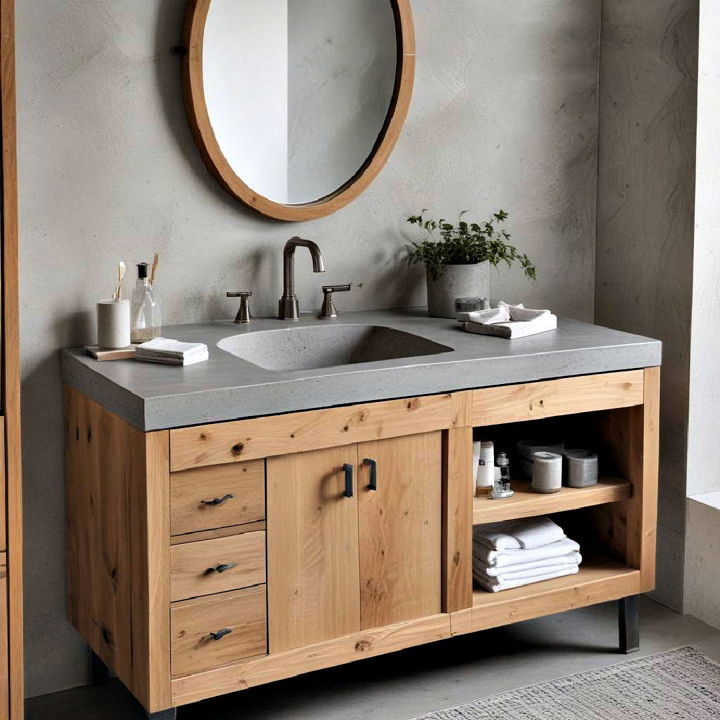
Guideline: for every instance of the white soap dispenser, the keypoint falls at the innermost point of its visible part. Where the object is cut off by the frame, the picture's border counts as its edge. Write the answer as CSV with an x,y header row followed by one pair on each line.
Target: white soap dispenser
x,y
145,315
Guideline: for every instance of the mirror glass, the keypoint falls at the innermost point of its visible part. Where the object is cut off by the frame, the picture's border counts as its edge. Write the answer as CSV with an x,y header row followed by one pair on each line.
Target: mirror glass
x,y
297,91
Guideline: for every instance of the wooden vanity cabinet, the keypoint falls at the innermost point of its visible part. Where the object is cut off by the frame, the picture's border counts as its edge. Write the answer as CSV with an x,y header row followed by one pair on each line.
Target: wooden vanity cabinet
x,y
210,559
353,538
4,669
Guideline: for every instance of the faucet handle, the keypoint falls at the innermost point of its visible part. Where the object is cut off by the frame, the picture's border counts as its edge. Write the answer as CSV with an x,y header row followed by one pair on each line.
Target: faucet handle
x,y
328,307
243,315
329,289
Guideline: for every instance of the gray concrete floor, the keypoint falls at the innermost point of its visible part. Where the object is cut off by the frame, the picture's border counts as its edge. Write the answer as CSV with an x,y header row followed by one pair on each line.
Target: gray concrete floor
x,y
417,681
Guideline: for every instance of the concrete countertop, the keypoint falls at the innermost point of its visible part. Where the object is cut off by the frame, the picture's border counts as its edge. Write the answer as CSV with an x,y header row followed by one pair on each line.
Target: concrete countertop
x,y
156,397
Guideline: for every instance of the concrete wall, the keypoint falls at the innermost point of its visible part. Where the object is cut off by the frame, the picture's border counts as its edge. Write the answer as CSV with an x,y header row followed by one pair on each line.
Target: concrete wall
x,y
645,220
704,419
702,560
504,115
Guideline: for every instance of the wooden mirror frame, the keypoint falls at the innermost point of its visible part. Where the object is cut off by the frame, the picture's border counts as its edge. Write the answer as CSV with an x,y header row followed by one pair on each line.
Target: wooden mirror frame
x,y
220,167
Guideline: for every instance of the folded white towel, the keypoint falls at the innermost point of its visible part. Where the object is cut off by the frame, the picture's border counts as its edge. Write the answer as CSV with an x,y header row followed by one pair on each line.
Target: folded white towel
x,y
518,534
171,352
529,569
519,313
494,585
508,558
492,315
509,321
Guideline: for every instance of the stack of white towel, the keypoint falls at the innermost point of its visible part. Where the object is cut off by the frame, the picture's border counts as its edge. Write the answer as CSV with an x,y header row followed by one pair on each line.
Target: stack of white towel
x,y
520,552
508,321
171,352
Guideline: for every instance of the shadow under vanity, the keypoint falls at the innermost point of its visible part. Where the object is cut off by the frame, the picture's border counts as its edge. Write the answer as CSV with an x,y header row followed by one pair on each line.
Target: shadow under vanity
x,y
231,525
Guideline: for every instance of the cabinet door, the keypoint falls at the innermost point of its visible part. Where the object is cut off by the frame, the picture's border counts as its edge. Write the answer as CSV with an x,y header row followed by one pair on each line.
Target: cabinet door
x,y
4,620
3,486
312,545
400,529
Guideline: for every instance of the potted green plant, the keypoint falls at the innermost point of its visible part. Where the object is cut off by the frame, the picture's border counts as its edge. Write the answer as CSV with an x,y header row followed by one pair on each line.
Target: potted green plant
x,y
457,258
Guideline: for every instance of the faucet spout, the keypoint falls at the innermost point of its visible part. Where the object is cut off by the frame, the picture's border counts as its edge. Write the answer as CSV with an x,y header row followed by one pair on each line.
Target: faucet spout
x,y
289,308
315,254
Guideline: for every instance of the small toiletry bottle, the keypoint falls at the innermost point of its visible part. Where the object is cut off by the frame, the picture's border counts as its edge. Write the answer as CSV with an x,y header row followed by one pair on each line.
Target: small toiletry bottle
x,y
145,314
479,476
504,464
485,473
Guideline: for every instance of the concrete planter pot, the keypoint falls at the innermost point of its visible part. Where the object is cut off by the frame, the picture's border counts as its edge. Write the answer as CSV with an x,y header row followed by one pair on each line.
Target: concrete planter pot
x,y
457,281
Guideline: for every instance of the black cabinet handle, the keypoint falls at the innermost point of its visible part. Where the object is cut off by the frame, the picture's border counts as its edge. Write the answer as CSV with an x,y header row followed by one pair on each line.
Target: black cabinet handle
x,y
218,501
372,485
224,567
220,634
348,493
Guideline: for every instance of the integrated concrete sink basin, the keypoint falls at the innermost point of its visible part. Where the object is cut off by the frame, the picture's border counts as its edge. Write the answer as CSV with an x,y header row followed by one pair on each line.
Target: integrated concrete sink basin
x,y
320,346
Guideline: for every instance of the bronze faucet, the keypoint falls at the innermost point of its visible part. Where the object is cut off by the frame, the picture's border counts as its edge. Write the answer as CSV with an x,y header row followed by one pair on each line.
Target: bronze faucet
x,y
289,308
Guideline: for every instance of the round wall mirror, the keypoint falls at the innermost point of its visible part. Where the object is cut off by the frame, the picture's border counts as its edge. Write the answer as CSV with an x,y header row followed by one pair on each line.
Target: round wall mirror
x,y
297,104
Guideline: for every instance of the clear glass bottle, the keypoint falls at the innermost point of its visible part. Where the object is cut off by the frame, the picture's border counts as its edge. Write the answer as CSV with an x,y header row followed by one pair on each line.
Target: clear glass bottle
x,y
145,318
501,487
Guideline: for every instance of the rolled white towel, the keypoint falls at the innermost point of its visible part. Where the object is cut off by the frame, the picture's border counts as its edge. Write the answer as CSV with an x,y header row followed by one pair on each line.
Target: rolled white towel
x,y
518,534
507,558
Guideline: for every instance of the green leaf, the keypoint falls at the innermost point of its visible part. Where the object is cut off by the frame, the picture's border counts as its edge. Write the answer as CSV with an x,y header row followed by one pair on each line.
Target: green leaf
x,y
464,244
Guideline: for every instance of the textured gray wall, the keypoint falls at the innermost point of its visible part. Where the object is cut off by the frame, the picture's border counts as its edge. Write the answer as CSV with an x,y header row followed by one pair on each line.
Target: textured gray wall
x,y
702,561
645,220
504,115
703,467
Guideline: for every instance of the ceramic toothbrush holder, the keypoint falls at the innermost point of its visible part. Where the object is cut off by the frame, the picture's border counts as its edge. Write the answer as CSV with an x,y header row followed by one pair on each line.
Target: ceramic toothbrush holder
x,y
113,324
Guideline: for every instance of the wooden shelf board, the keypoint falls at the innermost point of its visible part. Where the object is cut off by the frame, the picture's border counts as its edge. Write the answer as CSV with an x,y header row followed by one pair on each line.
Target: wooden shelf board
x,y
525,503
600,579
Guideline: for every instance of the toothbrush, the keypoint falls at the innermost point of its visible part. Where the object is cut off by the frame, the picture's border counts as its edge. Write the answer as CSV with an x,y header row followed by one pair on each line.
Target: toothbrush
x,y
121,276
154,268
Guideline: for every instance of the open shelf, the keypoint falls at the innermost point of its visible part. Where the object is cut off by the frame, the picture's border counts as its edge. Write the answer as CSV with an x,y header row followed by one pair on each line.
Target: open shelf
x,y
600,579
526,503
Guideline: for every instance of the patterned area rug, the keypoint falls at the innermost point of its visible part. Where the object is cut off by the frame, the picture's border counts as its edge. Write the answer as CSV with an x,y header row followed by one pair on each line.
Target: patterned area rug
x,y
681,684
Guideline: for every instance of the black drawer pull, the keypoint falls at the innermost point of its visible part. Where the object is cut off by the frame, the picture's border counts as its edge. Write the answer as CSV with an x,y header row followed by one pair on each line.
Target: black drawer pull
x,y
220,634
372,485
223,567
348,493
218,501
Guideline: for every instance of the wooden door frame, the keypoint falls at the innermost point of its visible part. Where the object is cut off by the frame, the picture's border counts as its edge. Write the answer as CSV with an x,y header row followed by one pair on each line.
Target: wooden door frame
x,y
10,358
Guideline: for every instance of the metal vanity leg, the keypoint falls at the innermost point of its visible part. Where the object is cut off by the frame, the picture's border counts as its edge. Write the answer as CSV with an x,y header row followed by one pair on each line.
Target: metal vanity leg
x,y
629,623
99,673
170,714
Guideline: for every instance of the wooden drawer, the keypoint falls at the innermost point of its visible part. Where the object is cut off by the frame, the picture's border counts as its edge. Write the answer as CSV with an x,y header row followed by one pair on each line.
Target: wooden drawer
x,y
196,568
263,437
192,621
550,398
192,493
